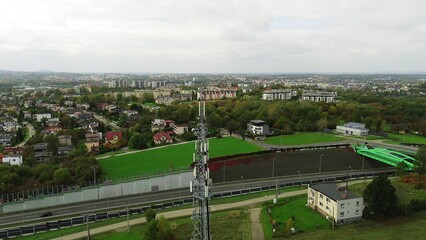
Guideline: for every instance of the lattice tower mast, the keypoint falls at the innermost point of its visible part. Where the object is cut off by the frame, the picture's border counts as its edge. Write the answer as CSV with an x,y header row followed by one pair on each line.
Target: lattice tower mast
x,y
201,183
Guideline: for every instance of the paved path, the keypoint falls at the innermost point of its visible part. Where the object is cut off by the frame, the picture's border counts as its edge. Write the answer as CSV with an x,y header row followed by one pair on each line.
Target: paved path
x,y
180,213
31,133
256,227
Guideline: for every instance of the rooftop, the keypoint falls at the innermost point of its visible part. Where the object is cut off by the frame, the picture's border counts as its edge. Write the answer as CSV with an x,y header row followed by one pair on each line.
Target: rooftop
x,y
332,191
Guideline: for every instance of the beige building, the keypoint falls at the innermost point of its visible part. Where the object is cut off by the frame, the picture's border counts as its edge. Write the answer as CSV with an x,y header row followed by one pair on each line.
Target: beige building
x,y
335,202
180,129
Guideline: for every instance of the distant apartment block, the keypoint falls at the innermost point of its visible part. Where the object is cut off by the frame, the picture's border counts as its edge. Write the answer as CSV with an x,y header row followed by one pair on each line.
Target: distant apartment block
x,y
117,84
353,128
278,94
327,97
168,100
137,84
216,93
338,204
155,84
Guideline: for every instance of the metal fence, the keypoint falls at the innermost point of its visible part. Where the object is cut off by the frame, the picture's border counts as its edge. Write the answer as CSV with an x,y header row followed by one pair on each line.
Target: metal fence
x,y
91,218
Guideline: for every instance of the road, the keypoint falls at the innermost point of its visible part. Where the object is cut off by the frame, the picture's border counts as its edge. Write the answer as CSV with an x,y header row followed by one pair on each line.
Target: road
x,y
107,122
182,213
31,132
157,197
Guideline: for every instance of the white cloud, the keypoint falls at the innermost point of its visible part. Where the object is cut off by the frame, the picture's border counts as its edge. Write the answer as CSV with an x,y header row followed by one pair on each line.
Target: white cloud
x,y
213,36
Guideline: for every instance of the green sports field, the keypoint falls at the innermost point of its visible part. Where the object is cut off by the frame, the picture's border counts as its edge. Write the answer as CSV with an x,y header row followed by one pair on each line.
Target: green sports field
x,y
302,138
172,156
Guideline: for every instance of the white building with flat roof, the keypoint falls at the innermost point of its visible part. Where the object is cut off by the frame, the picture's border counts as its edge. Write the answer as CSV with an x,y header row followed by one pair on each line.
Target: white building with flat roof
x,y
353,128
278,94
15,160
336,203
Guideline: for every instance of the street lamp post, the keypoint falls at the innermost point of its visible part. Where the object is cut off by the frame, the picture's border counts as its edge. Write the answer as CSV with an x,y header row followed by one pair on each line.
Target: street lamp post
x,y
242,182
273,167
300,177
94,174
320,162
224,171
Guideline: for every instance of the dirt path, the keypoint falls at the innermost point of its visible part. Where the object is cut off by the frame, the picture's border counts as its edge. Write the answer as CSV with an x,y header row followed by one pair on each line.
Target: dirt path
x,y
256,227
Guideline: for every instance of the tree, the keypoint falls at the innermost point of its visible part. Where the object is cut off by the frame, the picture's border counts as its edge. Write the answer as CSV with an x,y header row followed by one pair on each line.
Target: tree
x,y
62,176
420,164
232,126
150,215
152,231
164,230
322,124
380,196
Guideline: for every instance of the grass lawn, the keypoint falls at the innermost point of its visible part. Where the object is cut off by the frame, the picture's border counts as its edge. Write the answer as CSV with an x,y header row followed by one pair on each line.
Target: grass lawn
x,y
407,228
227,225
172,156
399,138
302,138
306,219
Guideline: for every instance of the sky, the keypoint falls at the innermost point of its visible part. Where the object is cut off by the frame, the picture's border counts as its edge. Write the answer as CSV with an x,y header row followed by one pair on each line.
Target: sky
x,y
213,36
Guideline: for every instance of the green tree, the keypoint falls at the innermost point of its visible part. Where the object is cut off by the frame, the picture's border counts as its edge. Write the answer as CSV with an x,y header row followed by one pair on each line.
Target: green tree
x,y
150,215
380,197
232,126
62,176
152,231
322,124
420,164
164,230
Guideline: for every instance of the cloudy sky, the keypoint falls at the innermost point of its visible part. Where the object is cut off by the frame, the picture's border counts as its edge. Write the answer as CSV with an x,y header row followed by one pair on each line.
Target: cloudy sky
x,y
213,35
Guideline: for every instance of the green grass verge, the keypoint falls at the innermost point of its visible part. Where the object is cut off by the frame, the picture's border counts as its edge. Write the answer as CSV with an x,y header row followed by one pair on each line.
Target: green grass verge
x,y
302,138
226,225
410,227
305,218
172,156
399,138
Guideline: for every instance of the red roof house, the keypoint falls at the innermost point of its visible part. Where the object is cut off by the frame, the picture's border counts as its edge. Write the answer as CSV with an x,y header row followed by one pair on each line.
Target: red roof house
x,y
162,137
113,137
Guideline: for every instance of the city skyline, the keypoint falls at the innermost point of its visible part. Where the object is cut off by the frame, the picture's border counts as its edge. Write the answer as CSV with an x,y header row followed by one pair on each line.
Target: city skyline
x,y
214,37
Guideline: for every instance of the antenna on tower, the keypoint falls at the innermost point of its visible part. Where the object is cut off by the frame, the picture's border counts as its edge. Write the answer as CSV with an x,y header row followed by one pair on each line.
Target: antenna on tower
x,y
201,183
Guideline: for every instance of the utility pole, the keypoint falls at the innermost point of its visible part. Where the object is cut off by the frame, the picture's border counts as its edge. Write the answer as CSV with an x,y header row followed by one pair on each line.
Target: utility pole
x,y
88,228
201,183
94,174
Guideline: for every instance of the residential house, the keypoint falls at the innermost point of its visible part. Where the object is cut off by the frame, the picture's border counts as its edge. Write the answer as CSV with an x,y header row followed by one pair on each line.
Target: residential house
x,y
113,137
41,116
40,147
6,139
337,203
63,151
65,140
1,157
180,129
92,142
130,113
353,128
160,124
41,157
14,159
162,138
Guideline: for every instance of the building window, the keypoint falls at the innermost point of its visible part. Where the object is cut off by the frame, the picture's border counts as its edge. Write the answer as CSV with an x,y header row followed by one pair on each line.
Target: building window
x,y
357,203
320,203
342,214
321,196
327,199
357,212
342,205
327,208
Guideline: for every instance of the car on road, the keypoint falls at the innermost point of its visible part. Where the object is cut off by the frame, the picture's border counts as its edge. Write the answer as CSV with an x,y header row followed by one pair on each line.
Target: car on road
x,y
46,214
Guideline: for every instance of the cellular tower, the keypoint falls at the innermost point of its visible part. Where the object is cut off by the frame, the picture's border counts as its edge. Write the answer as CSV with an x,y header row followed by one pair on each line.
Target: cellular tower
x,y
201,183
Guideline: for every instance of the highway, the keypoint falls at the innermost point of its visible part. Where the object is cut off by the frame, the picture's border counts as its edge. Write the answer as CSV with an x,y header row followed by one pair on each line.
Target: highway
x,y
105,205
